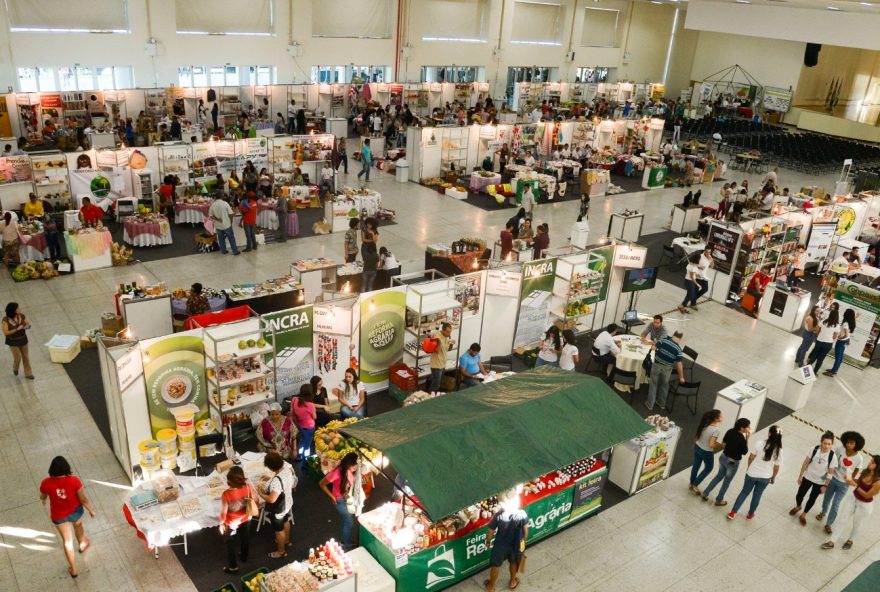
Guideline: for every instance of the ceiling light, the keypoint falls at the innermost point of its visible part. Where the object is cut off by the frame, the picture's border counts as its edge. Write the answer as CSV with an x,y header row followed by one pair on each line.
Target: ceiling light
x,y
743,1
833,8
866,4
655,2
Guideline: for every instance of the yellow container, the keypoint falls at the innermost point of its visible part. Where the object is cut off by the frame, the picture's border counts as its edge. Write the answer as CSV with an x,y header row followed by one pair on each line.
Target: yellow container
x,y
187,438
167,441
149,450
188,449
185,416
168,461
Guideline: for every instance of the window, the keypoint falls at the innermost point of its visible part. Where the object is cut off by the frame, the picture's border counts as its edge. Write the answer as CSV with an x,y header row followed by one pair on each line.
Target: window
x,y
68,16
358,19
592,75
536,23
215,75
360,74
46,79
84,78
27,80
225,17
452,74
259,75
184,76
600,27
67,79
199,76
123,77
225,75
462,21
105,77
231,75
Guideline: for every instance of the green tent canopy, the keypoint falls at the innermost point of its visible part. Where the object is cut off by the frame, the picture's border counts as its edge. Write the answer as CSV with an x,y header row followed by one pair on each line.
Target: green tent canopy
x,y
463,447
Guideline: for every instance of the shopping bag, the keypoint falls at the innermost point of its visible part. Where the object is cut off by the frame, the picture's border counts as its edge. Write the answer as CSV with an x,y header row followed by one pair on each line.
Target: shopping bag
x,y
521,567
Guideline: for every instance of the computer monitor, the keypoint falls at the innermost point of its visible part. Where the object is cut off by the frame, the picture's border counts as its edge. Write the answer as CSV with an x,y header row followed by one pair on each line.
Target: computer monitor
x,y
630,316
635,280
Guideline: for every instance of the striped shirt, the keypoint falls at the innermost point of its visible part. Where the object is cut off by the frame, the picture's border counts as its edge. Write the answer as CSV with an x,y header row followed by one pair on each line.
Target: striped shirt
x,y
667,352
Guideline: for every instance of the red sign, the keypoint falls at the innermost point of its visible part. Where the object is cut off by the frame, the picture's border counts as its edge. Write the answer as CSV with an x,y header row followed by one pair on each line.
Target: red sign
x,y
51,101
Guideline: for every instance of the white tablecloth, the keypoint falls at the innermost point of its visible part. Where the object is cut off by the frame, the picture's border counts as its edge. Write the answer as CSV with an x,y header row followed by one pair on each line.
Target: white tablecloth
x,y
688,245
267,219
632,354
29,253
146,236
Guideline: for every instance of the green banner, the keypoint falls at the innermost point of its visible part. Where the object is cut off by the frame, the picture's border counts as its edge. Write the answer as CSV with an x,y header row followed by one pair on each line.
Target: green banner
x,y
657,176
293,348
174,371
866,304
444,564
536,296
382,333
599,260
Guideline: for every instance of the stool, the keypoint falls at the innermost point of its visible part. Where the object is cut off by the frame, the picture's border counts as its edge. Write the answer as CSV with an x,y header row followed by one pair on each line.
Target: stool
x,y
748,303
206,242
178,322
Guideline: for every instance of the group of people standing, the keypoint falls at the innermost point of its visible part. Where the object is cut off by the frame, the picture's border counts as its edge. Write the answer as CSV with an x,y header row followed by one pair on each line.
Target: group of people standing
x,y
825,329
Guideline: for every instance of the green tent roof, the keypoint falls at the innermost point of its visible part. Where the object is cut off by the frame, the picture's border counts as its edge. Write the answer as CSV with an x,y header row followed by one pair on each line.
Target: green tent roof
x,y
463,447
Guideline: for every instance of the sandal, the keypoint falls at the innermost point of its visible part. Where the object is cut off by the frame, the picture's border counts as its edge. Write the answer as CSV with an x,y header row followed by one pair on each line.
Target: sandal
x,y
513,584
85,546
828,545
72,573
488,585
277,555
847,545
230,570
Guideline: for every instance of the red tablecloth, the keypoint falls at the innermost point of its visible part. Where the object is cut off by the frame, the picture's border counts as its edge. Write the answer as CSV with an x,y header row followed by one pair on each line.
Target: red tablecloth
x,y
35,241
190,213
139,232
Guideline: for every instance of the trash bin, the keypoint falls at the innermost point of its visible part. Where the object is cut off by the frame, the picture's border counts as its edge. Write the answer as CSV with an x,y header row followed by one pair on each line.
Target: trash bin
x,y
402,170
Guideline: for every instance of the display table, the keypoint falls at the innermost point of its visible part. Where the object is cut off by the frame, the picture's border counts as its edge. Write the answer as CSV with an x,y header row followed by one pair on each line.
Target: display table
x,y
349,277
521,251
744,398
215,303
268,296
345,207
644,461
685,220
314,275
453,263
33,247
632,354
141,232
626,228
784,309
191,213
688,244
267,217
89,249
865,274
559,166
304,195
371,577
479,182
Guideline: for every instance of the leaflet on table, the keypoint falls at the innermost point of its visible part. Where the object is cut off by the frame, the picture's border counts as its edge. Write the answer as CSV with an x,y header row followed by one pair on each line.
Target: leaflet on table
x,y
654,436
744,391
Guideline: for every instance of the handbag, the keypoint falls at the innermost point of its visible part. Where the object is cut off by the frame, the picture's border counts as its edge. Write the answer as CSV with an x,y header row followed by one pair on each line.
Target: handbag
x,y
277,507
252,508
647,363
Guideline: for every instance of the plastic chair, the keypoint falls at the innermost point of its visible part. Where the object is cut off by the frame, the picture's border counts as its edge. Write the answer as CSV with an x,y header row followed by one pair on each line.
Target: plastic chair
x,y
690,355
668,251
624,378
688,390
593,357
506,362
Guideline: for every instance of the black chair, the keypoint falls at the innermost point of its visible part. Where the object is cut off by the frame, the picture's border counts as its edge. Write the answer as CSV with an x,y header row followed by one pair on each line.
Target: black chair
x,y
216,440
500,363
593,357
624,378
689,355
242,431
688,390
668,251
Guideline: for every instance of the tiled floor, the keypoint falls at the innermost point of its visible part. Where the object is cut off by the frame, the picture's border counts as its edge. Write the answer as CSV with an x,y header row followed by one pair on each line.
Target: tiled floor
x,y
661,539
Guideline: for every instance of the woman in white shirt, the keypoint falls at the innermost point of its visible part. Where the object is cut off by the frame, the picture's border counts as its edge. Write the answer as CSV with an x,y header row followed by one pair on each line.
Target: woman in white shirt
x,y
765,461
351,395
549,348
828,331
844,331
569,355
815,475
707,442
691,285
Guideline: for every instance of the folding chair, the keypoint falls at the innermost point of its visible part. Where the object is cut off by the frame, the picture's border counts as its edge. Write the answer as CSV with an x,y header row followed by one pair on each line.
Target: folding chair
x,y
690,355
688,390
624,378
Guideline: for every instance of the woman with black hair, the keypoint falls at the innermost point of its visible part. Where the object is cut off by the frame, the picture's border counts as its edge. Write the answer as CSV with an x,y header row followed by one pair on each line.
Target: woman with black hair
x,y
549,348
765,461
808,337
816,472
736,446
849,453
844,331
15,325
828,332
67,501
859,505
706,444
322,402
337,486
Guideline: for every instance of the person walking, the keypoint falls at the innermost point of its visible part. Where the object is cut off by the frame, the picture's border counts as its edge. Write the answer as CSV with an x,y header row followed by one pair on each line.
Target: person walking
x,y
278,496
337,486
291,117
667,356
705,263
705,445
846,329
366,159
15,325
849,453
341,155
828,332
736,446
282,211
860,504
67,502
765,461
248,207
506,537
690,285
221,213
351,240
305,412
815,475
235,518
442,345
808,336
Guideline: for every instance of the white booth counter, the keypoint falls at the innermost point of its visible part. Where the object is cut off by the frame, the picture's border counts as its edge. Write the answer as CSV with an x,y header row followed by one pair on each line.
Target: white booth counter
x,y
744,398
645,460
784,309
626,227
685,220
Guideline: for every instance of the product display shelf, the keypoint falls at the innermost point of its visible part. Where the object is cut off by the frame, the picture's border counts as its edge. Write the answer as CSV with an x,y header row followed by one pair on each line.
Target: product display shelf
x,y
766,242
428,306
230,107
176,159
240,367
308,153
51,177
74,105
575,288
454,152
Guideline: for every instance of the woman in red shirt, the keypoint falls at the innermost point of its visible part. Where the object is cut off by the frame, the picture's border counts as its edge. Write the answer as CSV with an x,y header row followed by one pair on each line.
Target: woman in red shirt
x,y
248,207
305,413
66,501
506,240
234,518
336,485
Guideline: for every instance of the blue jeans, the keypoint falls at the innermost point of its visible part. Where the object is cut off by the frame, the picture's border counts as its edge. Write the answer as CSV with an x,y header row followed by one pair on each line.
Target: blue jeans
x,y
436,378
751,483
369,281
347,524
817,356
726,472
346,412
691,295
808,338
251,236
834,494
839,348
304,446
701,457
224,235
343,160
542,362
702,288
365,169
54,245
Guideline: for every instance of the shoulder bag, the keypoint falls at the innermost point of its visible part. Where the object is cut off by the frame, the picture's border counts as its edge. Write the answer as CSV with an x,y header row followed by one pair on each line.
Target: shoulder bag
x,y
251,506
277,507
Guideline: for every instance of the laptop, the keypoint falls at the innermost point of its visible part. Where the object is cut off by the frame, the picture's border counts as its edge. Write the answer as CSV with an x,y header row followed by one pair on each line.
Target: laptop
x,y
630,316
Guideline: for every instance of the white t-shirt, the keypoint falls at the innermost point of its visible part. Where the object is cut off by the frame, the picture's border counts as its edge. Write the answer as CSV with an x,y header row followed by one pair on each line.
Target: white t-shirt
x,y
826,333
530,160
605,343
389,262
692,268
566,359
706,436
327,173
284,482
350,396
760,468
548,351
847,464
705,264
818,467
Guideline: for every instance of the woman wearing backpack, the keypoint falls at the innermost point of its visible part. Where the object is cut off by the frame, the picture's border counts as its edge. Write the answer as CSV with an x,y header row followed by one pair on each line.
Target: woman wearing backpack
x,y
815,475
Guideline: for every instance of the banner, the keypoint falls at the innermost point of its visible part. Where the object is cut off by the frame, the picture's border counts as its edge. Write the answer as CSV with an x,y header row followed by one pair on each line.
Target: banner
x,y
599,263
819,243
97,184
293,348
536,293
15,169
174,372
777,99
382,333
723,243
50,100
467,291
865,302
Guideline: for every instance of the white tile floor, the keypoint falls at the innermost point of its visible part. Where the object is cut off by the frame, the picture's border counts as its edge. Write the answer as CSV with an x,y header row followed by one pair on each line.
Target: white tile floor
x,y
661,539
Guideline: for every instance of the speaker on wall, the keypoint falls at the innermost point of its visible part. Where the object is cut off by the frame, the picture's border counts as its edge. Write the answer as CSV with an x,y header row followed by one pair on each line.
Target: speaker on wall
x,y
811,54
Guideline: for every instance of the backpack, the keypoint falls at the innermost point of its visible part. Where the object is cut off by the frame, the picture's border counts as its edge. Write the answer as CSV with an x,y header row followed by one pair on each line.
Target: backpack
x,y
830,455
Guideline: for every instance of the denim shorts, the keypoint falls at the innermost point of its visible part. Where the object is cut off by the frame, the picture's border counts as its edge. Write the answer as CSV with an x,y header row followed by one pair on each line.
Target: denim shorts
x,y
74,516
501,554
278,523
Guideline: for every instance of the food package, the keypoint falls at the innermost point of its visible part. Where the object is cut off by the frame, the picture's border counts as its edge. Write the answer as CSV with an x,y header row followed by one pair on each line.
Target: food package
x,y
165,486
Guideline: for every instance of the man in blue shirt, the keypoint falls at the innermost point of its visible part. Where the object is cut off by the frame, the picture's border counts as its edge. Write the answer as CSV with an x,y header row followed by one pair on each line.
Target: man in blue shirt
x,y
366,159
667,355
470,366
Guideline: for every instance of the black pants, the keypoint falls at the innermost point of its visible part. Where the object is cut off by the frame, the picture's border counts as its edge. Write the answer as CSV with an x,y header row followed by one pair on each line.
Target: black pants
x,y
608,360
802,491
242,533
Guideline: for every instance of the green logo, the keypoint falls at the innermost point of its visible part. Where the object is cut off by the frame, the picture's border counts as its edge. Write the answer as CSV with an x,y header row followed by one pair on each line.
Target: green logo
x,y
100,187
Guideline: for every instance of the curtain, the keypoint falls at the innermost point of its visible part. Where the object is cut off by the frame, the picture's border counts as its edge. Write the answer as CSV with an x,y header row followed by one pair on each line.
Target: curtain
x,y
536,22
600,27
359,19
224,16
455,19
92,15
